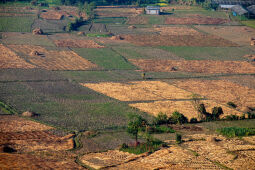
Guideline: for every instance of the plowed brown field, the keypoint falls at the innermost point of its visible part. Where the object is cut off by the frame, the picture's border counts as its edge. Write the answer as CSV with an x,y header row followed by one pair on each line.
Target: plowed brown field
x,y
221,91
195,20
77,43
203,40
11,60
54,60
197,66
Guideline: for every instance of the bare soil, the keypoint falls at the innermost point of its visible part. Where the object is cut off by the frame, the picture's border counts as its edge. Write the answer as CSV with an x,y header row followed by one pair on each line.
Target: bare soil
x,y
196,66
11,60
77,43
53,59
195,20
238,34
203,40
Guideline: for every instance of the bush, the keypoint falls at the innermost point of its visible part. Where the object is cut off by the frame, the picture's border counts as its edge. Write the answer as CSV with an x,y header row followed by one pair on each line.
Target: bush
x,y
216,112
193,120
124,146
232,117
251,115
178,138
231,104
236,131
160,119
178,118
161,129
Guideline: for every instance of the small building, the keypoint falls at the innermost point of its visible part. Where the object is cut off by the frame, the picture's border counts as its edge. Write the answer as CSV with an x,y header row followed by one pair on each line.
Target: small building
x,y
238,10
226,7
153,10
251,10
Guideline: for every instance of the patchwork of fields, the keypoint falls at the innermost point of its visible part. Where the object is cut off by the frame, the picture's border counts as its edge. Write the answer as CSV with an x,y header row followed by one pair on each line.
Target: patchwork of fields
x,y
82,85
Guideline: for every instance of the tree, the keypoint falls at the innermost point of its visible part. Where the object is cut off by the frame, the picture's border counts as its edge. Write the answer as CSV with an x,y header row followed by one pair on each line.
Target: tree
x,y
135,124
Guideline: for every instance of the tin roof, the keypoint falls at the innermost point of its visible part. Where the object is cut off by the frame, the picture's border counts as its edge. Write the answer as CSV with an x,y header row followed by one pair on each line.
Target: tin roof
x,y
153,8
239,9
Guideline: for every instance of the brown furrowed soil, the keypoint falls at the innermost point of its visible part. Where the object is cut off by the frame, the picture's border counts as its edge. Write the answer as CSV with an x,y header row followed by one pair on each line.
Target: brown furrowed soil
x,y
11,60
176,31
239,34
221,91
77,43
196,66
195,20
117,12
53,59
137,20
66,11
187,108
139,90
202,40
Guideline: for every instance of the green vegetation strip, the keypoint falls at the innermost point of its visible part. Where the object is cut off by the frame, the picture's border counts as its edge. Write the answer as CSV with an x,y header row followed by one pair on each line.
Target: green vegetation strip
x,y
236,132
106,58
6,109
16,24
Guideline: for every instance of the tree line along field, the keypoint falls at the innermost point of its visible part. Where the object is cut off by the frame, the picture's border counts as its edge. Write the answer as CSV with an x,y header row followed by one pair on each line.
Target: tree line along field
x,y
82,85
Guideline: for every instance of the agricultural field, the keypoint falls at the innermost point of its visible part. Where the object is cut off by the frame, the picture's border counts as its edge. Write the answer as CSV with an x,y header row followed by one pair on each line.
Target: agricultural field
x,y
70,88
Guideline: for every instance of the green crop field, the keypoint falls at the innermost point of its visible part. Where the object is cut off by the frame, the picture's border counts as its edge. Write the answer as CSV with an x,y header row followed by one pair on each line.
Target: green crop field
x,y
66,105
105,58
16,24
210,53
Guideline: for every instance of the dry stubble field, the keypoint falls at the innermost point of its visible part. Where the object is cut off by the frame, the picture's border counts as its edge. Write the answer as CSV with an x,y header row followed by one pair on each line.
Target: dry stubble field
x,y
53,59
11,60
77,43
197,66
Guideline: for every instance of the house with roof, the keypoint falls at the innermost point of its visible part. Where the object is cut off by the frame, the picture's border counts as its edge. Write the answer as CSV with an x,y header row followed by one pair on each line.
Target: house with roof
x,y
153,10
238,10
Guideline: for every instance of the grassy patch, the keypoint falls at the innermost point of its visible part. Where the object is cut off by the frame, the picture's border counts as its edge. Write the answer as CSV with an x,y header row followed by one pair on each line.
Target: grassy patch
x,y
97,35
66,105
209,53
144,147
110,20
6,109
16,24
92,76
105,58
156,19
236,131
249,23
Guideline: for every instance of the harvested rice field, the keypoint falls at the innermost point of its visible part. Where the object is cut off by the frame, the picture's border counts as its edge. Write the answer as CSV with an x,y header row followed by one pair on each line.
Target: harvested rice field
x,y
29,161
11,60
138,20
196,66
77,43
9,123
238,34
139,90
203,40
117,12
107,159
187,108
196,20
222,91
25,135
174,30
53,59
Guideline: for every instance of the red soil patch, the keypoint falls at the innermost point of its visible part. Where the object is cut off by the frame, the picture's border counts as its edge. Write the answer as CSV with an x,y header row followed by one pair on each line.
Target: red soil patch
x,y
197,66
202,40
195,20
11,60
77,43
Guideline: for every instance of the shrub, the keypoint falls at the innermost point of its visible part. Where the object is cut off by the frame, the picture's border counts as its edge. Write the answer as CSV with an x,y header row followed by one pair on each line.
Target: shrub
x,y
178,118
161,129
236,131
178,138
124,146
216,112
231,104
251,115
193,120
160,119
232,117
